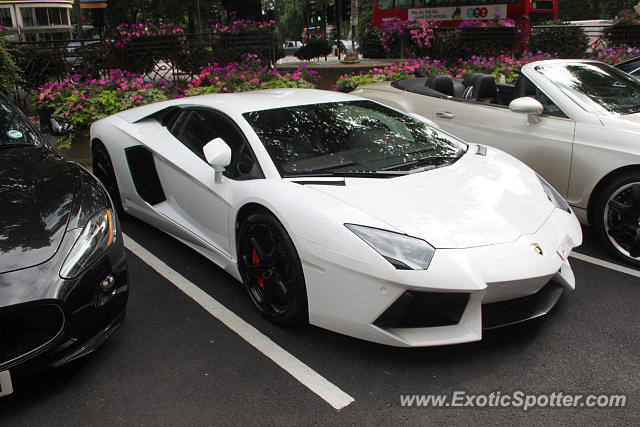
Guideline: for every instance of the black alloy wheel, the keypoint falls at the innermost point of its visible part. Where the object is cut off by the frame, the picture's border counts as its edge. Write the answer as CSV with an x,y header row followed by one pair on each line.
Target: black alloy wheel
x,y
271,270
617,217
103,170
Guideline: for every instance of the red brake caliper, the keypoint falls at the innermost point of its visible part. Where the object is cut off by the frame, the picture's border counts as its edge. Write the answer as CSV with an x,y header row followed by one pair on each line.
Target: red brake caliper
x,y
255,259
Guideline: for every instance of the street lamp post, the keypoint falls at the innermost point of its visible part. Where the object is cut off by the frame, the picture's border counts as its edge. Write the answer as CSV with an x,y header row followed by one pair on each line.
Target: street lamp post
x,y
76,7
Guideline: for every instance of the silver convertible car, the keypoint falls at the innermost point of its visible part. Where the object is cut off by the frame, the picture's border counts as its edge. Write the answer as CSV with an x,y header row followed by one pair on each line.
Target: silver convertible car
x,y
576,122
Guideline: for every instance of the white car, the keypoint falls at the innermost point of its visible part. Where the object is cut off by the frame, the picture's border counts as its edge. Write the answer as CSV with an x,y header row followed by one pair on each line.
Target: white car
x,y
339,211
575,122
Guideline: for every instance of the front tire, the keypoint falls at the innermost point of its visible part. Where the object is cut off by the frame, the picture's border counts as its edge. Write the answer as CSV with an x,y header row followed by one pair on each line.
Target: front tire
x,y
271,270
617,217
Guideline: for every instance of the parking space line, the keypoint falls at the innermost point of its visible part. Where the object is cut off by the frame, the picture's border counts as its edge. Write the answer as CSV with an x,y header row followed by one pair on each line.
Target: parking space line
x,y
605,264
315,382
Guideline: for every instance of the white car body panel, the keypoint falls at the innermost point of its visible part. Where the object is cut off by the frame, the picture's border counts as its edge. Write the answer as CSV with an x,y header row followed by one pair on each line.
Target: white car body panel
x,y
483,214
574,154
488,210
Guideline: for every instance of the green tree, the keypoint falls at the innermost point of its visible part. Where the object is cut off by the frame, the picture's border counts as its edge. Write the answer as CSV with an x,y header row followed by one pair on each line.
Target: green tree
x,y
290,15
592,9
9,73
244,9
168,11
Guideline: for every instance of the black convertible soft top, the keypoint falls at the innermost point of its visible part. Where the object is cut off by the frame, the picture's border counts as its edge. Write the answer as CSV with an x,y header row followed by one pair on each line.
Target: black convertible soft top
x,y
417,85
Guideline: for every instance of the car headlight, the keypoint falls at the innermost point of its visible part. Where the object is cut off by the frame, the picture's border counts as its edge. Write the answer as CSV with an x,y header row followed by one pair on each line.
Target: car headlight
x,y
554,196
96,237
402,251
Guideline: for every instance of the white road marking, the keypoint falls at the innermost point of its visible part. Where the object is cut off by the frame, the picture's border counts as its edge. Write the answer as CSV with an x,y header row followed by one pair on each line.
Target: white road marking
x,y
328,391
605,264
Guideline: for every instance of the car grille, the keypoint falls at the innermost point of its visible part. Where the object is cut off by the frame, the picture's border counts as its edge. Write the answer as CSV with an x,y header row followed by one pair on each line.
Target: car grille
x,y
27,328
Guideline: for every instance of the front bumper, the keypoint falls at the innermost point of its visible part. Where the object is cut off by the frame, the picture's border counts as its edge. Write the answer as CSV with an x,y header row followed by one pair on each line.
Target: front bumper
x,y
349,296
88,315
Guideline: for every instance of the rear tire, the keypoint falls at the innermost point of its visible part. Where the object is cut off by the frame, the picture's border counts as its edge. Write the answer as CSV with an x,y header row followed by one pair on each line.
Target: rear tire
x,y
103,170
271,270
617,217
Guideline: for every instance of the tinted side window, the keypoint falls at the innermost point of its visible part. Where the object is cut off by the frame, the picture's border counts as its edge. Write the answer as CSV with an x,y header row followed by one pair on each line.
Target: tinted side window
x,y
194,130
196,127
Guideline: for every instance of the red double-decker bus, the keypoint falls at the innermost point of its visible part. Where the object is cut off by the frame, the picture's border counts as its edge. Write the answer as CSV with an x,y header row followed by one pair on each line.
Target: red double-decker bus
x,y
450,12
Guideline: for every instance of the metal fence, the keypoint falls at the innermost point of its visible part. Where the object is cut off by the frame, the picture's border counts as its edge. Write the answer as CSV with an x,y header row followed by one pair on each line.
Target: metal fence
x,y
174,58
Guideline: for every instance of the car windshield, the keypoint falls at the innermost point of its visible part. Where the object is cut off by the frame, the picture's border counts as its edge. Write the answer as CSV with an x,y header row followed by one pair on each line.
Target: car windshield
x,y
14,127
344,138
595,86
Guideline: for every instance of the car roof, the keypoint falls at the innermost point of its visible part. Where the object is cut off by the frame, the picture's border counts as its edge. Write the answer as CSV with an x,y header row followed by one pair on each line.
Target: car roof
x,y
243,102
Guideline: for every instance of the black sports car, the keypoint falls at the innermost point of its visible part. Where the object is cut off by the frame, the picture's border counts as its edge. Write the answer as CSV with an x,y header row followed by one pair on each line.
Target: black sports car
x,y
63,272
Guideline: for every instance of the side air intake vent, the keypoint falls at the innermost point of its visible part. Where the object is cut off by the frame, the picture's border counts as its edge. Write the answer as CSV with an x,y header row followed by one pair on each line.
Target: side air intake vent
x,y
424,309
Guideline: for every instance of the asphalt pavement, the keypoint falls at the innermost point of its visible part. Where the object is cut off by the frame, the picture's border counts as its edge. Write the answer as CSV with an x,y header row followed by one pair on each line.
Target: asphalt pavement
x,y
172,363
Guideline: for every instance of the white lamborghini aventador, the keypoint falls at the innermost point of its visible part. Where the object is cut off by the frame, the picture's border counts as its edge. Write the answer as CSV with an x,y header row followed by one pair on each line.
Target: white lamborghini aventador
x,y
345,213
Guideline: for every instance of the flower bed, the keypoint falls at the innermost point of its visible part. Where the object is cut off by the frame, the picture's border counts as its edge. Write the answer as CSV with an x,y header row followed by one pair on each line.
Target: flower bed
x,y
616,55
429,38
503,67
249,74
421,67
84,100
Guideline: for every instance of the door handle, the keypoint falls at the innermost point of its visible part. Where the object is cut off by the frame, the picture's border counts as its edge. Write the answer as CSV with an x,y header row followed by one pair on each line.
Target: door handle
x,y
445,115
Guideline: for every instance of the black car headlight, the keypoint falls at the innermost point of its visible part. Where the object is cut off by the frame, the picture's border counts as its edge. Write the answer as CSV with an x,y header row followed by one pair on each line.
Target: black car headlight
x,y
402,251
96,237
554,196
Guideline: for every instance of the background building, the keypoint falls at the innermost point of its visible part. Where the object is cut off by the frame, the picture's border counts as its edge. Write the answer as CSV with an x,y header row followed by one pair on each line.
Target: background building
x,y
37,20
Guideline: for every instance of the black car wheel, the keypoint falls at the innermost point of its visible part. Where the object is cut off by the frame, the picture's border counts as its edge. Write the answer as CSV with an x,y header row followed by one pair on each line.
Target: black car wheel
x,y
617,217
271,270
103,170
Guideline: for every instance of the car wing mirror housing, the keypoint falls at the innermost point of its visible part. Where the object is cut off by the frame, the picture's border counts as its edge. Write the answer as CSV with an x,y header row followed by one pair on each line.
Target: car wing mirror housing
x,y
527,105
218,155
60,126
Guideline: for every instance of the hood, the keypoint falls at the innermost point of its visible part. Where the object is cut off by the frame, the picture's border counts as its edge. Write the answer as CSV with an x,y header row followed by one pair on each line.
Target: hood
x,y
36,197
479,200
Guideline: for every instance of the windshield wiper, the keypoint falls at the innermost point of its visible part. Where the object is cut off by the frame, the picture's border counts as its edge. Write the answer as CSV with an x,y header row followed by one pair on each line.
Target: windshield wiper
x,y
349,174
424,161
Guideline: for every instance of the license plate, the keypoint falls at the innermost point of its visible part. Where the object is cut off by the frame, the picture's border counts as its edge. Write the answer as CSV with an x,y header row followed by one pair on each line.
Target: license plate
x,y
6,387
565,248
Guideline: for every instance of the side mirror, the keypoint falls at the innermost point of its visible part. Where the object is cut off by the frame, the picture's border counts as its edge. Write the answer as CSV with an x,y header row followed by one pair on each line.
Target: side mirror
x,y
527,105
218,155
60,126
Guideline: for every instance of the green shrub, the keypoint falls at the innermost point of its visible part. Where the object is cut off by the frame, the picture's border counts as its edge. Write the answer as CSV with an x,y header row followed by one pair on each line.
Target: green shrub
x,y
9,72
444,46
370,45
568,41
313,49
39,65
348,83
486,41
83,101
623,32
